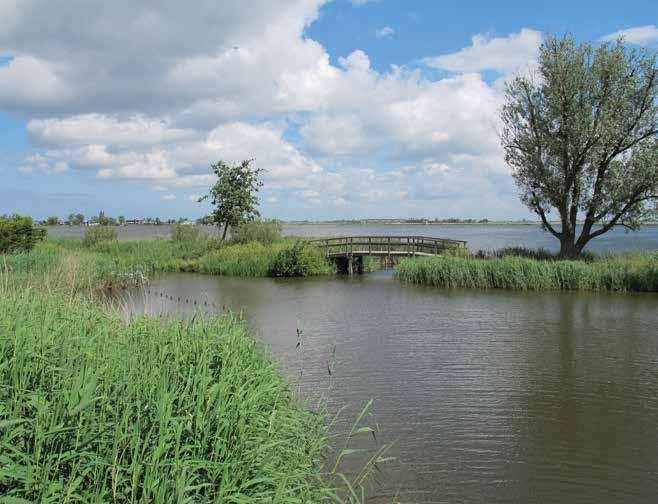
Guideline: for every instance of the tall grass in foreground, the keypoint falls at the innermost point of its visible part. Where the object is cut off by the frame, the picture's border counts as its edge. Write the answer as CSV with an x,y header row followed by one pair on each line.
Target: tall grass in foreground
x,y
628,272
95,410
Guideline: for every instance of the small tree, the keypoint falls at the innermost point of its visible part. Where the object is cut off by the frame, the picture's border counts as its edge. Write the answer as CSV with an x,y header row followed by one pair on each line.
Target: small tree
x,y
53,220
582,138
76,219
122,220
19,234
234,195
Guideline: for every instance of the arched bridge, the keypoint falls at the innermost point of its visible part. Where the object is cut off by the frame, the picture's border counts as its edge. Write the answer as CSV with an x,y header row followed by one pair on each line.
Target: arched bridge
x,y
349,251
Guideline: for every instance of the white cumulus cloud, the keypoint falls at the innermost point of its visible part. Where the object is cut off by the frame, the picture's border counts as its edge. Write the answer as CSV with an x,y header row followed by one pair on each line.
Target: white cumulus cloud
x,y
176,89
641,35
502,54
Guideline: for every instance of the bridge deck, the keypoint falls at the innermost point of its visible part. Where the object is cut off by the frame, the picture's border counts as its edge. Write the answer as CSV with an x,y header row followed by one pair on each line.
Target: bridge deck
x,y
359,246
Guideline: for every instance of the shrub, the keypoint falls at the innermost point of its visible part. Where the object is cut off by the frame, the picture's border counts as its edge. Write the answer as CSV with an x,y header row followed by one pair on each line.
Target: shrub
x,y
265,232
183,233
98,234
299,260
19,234
249,260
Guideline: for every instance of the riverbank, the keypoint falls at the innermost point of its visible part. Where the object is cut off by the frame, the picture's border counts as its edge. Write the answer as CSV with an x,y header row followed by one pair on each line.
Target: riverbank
x,y
116,264
93,409
153,410
622,273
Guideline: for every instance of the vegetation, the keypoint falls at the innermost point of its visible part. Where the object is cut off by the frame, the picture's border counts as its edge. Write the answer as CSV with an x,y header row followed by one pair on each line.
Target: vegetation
x,y
97,409
234,195
540,254
76,219
300,260
583,138
19,234
629,272
109,263
265,232
103,220
185,233
94,410
98,234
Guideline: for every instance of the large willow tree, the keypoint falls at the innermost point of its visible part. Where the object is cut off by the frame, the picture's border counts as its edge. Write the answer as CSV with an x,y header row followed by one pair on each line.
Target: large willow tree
x,y
581,137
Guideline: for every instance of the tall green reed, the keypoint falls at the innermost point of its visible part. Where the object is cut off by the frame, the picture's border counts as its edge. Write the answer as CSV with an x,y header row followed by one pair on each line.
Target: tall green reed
x,y
626,272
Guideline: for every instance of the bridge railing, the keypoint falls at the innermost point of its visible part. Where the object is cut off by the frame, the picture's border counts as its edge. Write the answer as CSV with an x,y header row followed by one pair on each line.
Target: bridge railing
x,y
362,245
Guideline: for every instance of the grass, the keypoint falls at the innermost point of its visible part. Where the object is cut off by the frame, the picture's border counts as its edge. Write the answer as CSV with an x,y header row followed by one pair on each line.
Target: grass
x,y
115,264
626,272
96,410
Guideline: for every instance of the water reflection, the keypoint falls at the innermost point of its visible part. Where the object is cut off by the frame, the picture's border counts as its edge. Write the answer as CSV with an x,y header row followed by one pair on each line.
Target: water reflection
x,y
489,396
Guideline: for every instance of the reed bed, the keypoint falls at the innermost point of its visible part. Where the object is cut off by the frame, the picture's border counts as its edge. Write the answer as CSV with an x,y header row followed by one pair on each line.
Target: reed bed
x,y
117,264
626,272
96,410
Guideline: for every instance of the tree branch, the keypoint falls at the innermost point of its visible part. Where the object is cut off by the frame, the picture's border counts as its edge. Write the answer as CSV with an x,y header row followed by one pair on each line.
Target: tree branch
x,y
542,214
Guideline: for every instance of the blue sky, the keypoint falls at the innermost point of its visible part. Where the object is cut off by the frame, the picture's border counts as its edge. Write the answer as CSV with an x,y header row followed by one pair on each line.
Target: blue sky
x,y
354,109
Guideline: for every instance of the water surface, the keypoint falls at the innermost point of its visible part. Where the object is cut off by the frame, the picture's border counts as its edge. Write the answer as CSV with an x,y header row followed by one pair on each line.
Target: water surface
x,y
478,236
489,396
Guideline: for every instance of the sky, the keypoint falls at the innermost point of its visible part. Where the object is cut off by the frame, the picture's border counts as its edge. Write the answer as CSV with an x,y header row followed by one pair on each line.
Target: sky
x,y
354,108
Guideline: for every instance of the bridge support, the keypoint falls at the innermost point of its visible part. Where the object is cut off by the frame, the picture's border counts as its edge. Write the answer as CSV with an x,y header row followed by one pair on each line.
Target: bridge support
x,y
350,265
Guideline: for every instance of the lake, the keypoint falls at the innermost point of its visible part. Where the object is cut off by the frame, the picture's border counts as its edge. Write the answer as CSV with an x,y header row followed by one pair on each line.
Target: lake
x,y
478,236
487,396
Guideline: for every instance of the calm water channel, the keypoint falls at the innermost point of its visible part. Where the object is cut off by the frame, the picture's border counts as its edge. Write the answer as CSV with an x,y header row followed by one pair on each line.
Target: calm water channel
x,y
488,396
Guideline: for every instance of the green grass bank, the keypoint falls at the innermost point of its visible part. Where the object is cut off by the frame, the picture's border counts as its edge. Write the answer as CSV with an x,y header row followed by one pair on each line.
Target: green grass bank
x,y
622,273
97,409
75,267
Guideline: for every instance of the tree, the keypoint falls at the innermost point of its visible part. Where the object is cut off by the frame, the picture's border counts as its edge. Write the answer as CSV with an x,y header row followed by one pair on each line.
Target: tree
x,y
235,194
582,138
76,219
122,220
19,234
53,220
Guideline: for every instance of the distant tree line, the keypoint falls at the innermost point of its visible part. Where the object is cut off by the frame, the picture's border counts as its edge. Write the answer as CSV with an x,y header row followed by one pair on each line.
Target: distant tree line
x,y
78,219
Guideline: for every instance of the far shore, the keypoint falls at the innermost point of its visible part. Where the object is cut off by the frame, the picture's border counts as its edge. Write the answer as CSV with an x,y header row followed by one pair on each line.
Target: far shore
x,y
433,223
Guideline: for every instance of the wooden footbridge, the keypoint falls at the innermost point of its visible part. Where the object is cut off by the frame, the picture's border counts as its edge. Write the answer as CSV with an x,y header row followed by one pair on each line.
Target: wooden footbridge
x,y
349,251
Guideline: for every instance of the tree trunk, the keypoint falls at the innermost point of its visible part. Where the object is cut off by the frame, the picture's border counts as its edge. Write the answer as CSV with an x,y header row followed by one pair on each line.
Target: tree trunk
x,y
568,248
225,230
